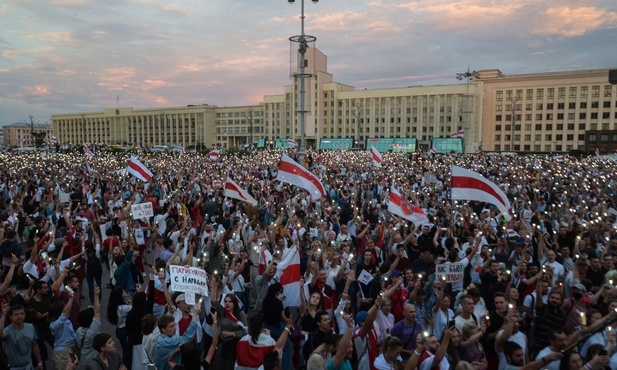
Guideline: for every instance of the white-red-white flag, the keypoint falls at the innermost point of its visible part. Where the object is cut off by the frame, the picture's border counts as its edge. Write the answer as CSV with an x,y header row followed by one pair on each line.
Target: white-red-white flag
x,y
597,152
54,140
512,234
181,150
459,133
433,151
376,156
87,151
288,274
293,173
137,169
22,141
292,142
233,190
558,158
215,154
400,206
470,185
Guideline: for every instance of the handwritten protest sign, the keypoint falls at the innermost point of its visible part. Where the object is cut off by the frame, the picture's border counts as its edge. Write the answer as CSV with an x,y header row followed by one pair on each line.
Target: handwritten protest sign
x,y
188,280
453,272
142,210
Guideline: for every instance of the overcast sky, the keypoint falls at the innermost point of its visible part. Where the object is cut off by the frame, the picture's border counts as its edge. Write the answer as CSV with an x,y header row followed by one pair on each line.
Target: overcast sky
x,y
66,56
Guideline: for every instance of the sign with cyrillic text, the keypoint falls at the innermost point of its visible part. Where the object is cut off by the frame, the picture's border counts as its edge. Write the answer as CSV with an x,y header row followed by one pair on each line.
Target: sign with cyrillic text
x,y
142,210
188,280
453,272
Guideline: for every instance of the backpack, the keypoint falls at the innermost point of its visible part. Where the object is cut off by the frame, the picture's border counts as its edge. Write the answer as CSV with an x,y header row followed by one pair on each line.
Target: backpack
x,y
94,267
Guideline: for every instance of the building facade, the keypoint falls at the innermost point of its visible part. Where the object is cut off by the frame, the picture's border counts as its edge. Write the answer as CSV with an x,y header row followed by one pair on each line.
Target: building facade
x,y
546,112
543,112
18,134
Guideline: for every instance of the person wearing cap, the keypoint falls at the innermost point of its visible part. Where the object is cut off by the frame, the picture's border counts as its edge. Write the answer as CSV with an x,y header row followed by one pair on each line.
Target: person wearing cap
x,y
575,305
365,336
397,294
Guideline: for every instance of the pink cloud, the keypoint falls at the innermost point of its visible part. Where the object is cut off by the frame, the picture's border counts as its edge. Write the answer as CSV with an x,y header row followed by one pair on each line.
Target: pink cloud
x,y
571,22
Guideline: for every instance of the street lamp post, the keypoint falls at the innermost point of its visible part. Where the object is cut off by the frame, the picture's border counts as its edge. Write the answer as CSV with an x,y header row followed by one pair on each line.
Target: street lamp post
x,y
358,107
467,75
302,40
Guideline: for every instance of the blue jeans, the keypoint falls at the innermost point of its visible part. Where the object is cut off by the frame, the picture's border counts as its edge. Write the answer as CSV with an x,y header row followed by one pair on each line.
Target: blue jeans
x,y
91,281
275,333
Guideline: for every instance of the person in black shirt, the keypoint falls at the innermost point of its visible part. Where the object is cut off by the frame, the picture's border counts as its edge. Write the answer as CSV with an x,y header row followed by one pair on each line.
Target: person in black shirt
x,y
274,311
318,336
489,275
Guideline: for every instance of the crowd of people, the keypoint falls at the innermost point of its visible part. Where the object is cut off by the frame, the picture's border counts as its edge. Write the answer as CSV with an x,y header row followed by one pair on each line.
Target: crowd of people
x,y
538,288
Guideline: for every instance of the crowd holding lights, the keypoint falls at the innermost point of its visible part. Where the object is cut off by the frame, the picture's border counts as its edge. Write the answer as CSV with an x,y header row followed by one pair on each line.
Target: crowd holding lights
x,y
561,237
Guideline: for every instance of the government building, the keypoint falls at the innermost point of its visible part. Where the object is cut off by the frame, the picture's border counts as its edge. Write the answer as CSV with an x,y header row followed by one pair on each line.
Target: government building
x,y
537,112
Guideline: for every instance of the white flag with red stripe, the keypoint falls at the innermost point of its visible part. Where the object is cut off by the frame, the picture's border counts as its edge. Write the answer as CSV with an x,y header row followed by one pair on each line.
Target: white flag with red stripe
x,y
376,156
22,141
459,133
470,185
233,190
558,158
293,173
400,206
87,151
288,274
215,154
433,151
137,169
512,234
292,142
54,140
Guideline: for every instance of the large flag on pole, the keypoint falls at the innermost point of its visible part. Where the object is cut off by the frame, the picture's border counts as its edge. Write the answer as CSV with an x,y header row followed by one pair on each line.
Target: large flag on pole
x,y
400,206
137,169
376,156
470,185
87,151
293,173
233,190
288,274
215,154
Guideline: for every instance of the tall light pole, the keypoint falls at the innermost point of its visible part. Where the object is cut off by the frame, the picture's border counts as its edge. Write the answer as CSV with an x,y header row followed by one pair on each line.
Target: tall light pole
x,y
302,40
467,76
358,108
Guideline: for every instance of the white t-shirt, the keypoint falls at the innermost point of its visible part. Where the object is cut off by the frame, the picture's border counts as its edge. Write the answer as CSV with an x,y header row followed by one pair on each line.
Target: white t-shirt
x,y
518,338
427,364
440,321
557,267
552,365
529,301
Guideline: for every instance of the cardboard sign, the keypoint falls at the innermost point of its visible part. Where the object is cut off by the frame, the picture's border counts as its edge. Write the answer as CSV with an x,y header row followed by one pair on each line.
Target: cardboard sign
x,y
142,210
453,272
188,280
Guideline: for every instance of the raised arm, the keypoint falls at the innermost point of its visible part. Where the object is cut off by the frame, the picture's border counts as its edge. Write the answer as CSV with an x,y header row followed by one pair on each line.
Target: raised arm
x,y
343,345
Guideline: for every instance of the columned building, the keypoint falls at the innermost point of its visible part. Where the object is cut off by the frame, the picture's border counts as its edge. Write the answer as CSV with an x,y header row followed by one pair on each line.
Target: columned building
x,y
539,112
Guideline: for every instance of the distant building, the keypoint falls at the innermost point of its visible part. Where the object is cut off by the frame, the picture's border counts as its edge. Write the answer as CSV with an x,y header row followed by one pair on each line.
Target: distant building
x,y
539,112
13,134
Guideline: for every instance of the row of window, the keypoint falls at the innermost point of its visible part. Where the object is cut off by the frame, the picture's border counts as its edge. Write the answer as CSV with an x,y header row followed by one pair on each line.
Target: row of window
x,y
550,93
538,137
551,106
558,116
558,127
536,148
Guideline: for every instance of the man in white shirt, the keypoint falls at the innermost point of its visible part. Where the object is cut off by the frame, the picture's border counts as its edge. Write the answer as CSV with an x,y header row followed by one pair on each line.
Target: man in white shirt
x,y
558,340
550,260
